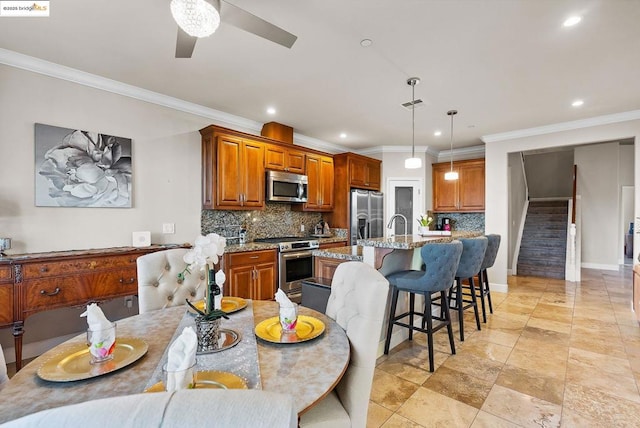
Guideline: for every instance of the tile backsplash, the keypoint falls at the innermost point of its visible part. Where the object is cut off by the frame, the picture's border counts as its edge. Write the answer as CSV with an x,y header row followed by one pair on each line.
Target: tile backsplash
x,y
463,221
275,220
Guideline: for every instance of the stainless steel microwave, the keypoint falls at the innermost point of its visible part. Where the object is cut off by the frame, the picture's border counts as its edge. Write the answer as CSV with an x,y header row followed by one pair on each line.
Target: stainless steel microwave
x,y
286,187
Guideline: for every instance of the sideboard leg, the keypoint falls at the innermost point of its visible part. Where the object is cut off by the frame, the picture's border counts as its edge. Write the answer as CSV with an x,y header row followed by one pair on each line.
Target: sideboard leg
x,y
18,331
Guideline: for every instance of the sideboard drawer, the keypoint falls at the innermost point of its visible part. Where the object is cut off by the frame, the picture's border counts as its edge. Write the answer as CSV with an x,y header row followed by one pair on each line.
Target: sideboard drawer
x,y
115,283
6,304
55,292
66,267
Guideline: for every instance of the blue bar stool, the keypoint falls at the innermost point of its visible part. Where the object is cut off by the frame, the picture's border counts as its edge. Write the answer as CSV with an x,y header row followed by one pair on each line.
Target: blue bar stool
x,y
483,277
441,262
473,250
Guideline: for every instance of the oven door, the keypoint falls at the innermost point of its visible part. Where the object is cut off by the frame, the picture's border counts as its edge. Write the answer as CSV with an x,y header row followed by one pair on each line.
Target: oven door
x,y
293,268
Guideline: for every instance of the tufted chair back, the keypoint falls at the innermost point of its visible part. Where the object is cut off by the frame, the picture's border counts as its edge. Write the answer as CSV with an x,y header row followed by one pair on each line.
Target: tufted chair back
x,y
3,368
492,251
158,284
358,303
473,250
441,261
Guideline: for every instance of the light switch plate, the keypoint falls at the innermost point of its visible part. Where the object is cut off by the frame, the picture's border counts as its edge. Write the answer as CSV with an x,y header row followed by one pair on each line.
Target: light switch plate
x,y
168,228
141,239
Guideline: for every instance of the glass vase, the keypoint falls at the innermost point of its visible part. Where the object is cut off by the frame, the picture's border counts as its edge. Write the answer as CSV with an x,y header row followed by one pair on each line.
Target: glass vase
x,y
208,332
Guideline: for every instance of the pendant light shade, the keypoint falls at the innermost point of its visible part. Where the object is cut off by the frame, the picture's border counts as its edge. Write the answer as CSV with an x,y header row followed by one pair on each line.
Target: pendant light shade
x,y
451,175
413,162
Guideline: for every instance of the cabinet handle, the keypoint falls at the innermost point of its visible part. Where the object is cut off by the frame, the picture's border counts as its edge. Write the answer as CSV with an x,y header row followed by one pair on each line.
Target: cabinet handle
x,y
130,281
53,293
93,265
44,269
254,257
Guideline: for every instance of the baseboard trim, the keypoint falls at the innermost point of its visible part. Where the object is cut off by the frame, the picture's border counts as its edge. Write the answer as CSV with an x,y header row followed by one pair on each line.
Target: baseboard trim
x,y
34,349
599,266
500,288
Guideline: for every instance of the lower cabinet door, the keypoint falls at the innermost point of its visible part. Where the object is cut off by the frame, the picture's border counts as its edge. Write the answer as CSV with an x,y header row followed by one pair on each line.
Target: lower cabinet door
x,y
265,286
241,282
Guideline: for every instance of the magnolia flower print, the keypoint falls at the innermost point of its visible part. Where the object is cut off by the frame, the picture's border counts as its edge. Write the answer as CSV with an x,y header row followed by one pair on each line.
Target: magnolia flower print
x,y
88,170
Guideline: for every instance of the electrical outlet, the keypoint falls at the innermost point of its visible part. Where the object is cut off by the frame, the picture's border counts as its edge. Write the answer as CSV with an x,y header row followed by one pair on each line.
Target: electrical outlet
x,y
168,228
302,228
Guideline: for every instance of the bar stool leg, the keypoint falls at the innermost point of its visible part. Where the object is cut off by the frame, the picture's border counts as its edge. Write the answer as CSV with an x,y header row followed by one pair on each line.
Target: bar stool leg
x,y
481,290
485,277
447,316
460,307
392,313
429,319
475,302
412,306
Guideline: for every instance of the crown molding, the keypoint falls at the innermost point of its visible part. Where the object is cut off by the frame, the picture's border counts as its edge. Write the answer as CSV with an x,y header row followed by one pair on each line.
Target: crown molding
x,y
563,126
314,143
462,153
47,68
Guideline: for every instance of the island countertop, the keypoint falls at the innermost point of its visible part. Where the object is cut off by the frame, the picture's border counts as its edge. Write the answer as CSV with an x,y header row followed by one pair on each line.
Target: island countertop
x,y
410,242
350,253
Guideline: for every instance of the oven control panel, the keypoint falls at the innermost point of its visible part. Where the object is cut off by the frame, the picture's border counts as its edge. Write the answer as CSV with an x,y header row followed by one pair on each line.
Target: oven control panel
x,y
300,245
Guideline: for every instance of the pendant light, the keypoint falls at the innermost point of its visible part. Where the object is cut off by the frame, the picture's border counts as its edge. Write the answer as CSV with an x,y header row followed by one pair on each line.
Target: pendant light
x,y
451,175
413,162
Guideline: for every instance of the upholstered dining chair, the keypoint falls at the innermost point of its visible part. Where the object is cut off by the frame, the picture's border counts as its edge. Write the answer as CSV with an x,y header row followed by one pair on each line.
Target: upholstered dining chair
x,y
158,283
357,303
440,263
183,408
3,369
493,245
473,250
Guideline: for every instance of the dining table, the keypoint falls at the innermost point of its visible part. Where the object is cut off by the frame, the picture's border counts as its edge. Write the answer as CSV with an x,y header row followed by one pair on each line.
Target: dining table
x,y
307,368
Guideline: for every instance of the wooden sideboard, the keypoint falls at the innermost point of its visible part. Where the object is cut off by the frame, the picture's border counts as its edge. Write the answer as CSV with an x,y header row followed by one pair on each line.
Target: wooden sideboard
x,y
32,283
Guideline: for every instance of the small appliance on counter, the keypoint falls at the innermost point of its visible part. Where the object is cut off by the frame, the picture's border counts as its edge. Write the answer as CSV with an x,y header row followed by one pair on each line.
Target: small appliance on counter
x,y
445,223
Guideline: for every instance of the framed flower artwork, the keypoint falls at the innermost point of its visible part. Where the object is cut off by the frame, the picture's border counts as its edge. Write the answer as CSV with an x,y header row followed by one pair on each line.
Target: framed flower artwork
x,y
75,168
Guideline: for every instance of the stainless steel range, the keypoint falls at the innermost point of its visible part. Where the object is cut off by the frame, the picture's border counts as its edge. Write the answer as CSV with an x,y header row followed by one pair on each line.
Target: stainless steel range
x,y
295,263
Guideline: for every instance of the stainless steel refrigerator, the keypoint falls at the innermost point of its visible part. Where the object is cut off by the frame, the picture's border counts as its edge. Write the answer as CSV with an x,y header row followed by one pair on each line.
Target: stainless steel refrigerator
x,y
367,215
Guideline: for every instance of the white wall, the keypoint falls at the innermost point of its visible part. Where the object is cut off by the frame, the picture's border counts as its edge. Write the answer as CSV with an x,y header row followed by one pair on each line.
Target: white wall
x,y
497,200
599,193
517,199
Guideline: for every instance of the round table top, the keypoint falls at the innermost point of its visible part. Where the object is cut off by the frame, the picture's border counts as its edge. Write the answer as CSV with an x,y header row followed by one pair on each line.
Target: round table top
x,y
307,371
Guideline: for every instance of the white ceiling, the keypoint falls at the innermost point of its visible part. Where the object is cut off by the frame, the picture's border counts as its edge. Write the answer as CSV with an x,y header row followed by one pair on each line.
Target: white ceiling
x,y
505,65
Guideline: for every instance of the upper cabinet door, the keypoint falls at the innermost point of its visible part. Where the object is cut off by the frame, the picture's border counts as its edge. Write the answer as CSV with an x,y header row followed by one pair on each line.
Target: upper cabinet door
x,y
471,188
253,175
229,172
284,159
445,193
326,177
364,173
320,187
466,194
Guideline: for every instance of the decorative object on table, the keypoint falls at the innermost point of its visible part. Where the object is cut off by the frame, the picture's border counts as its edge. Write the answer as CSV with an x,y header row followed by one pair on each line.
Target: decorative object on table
x,y
288,312
101,334
307,328
73,363
76,168
424,222
178,373
5,244
209,379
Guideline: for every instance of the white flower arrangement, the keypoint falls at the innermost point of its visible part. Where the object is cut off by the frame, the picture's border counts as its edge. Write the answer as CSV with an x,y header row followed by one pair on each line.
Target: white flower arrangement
x,y
425,220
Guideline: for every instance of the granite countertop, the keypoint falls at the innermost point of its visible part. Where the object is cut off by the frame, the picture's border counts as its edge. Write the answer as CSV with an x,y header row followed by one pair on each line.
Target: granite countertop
x,y
409,242
257,246
350,253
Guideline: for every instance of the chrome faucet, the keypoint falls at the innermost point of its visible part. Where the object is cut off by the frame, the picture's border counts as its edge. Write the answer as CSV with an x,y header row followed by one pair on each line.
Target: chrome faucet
x,y
393,218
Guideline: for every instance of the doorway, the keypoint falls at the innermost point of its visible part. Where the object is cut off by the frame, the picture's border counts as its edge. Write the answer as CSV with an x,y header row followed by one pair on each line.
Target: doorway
x,y
405,196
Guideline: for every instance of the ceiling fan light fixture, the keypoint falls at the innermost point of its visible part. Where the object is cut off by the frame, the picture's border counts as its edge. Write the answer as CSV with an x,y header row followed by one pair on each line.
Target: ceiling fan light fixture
x,y
413,162
197,18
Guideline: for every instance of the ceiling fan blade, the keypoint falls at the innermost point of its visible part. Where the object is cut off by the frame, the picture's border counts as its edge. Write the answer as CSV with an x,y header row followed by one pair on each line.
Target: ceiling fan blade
x,y
246,21
185,44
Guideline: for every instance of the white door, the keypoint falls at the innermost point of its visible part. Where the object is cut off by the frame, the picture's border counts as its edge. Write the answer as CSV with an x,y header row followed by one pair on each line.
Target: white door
x,y
404,196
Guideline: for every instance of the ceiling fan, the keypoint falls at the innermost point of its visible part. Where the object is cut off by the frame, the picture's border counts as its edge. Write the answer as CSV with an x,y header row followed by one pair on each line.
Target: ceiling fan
x,y
200,18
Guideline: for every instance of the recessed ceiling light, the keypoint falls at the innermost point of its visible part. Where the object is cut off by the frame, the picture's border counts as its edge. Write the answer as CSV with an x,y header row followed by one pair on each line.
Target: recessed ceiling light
x,y
571,21
365,43
271,110
577,103
437,133
343,135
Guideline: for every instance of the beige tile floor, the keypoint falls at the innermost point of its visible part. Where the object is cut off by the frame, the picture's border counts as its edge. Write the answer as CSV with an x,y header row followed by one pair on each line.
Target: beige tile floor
x,y
553,354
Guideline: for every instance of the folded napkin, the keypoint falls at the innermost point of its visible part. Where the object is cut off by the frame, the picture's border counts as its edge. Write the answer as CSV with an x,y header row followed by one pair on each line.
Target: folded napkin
x,y
103,341
288,311
181,357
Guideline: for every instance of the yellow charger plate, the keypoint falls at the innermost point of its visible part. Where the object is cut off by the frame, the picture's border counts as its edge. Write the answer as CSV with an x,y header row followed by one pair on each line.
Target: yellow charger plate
x,y
307,328
74,362
229,304
210,379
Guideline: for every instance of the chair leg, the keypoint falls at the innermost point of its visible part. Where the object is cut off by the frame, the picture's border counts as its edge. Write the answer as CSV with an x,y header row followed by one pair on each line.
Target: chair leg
x,y
412,306
429,319
481,295
474,302
485,277
460,308
447,315
392,313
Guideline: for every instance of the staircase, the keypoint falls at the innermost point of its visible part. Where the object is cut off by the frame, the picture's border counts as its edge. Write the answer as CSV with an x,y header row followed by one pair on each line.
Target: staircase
x,y
544,240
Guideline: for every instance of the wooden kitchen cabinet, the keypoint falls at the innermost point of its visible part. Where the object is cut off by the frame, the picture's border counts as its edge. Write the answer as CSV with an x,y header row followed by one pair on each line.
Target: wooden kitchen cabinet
x,y
320,188
325,267
325,245
281,158
466,194
251,275
362,172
